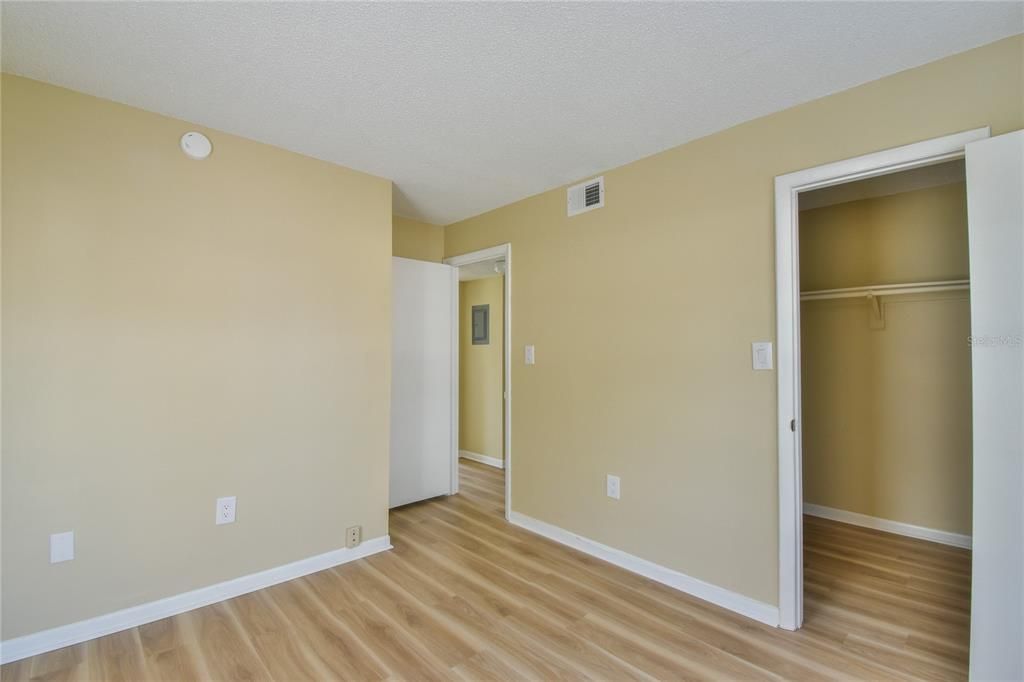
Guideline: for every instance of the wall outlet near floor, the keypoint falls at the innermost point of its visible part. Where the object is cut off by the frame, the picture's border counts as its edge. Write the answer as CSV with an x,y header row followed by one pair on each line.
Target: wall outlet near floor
x,y
62,547
353,536
614,485
225,510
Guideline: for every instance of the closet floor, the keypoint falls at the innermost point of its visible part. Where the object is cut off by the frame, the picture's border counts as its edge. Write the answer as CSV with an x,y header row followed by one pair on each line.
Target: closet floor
x,y
465,595
900,601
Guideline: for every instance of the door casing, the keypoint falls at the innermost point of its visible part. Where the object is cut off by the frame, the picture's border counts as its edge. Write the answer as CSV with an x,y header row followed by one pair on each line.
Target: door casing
x,y
501,251
787,298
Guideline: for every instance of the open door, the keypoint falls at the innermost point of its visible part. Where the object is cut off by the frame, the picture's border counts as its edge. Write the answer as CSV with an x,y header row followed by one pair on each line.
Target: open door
x,y
995,208
422,387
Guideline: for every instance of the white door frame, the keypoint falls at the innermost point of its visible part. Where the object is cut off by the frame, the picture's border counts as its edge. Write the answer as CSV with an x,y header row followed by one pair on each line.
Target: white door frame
x,y
500,251
787,296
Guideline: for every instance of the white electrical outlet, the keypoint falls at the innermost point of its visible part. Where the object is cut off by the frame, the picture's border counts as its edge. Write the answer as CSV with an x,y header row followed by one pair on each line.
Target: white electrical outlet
x,y
530,355
62,547
353,536
225,510
614,486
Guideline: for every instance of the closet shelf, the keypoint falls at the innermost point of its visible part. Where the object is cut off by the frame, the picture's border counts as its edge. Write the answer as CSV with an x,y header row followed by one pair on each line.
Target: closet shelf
x,y
886,290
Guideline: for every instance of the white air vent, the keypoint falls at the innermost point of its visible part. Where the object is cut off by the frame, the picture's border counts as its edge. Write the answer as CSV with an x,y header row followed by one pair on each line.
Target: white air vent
x,y
586,196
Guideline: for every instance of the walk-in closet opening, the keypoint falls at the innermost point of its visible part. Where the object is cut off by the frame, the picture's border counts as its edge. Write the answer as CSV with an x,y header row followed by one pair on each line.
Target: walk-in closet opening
x,y
886,409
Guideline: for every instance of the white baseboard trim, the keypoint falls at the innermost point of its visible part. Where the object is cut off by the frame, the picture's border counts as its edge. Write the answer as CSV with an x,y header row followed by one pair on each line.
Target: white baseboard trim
x,y
897,527
483,459
751,608
73,633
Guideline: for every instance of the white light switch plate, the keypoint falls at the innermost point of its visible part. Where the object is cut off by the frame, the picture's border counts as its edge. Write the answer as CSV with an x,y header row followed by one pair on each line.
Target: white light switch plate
x,y
614,487
529,355
62,547
762,354
225,510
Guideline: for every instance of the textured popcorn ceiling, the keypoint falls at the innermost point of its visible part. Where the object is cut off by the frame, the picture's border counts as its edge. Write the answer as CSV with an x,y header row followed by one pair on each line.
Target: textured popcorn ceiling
x,y
474,105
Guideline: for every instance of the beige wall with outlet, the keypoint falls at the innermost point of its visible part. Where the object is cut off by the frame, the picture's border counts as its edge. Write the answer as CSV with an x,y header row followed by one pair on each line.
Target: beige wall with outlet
x,y
416,240
481,380
175,331
643,313
887,412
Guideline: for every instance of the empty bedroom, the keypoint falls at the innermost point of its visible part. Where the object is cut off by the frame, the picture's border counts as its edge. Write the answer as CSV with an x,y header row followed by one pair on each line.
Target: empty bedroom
x,y
512,340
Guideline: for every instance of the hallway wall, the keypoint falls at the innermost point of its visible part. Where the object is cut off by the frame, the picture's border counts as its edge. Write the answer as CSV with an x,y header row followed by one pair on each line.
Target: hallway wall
x,y
481,380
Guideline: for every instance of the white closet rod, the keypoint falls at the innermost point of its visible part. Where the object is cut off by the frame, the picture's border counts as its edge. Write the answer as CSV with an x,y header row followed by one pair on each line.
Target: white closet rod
x,y
886,290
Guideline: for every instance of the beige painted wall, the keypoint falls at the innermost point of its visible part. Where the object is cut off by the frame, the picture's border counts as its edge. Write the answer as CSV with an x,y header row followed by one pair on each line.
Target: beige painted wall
x,y
175,331
417,240
643,313
480,370
910,237
887,412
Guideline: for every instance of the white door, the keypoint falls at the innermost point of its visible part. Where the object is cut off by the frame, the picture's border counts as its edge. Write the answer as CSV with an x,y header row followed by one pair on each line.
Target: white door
x,y
995,207
422,390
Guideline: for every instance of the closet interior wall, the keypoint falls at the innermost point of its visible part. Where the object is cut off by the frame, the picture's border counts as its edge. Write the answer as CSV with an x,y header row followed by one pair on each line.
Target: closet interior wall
x,y
886,382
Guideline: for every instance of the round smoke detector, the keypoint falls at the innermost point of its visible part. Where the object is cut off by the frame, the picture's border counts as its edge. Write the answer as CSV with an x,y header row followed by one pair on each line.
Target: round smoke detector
x,y
196,145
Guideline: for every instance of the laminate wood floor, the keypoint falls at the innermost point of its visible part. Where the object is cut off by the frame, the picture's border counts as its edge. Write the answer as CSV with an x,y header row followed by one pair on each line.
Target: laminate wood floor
x,y
465,595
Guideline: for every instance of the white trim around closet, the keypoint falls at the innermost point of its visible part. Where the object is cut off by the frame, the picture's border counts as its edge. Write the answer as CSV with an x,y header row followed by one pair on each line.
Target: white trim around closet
x,y
787,310
889,526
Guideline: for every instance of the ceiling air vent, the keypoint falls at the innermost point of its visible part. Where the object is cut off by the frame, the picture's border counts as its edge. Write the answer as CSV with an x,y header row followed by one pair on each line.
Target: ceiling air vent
x,y
586,196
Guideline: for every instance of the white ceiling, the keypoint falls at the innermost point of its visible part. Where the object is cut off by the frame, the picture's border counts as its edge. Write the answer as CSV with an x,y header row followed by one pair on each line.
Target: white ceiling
x,y
886,185
469,106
